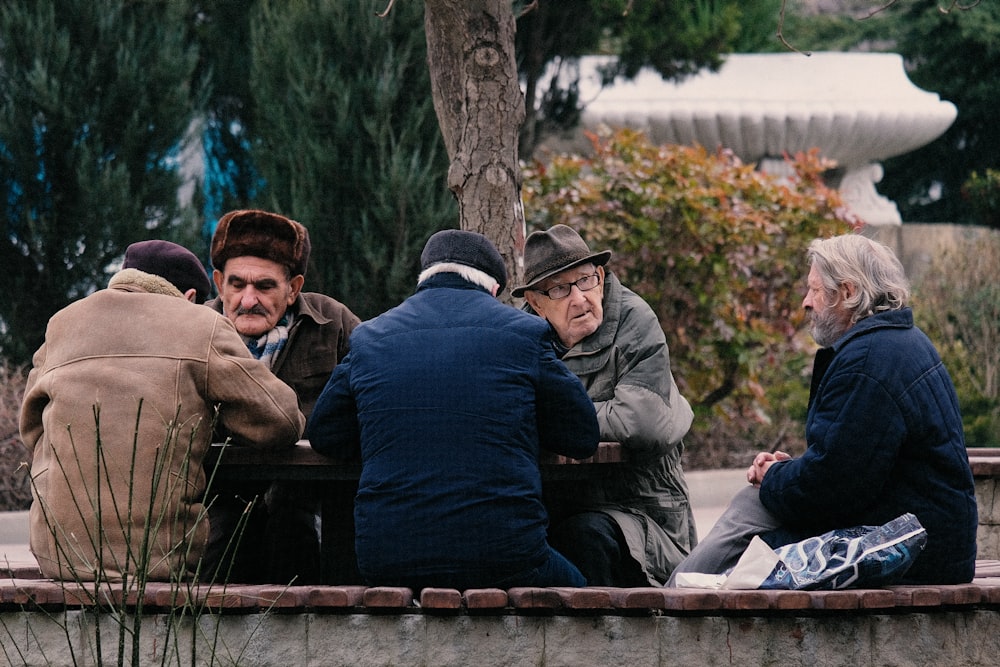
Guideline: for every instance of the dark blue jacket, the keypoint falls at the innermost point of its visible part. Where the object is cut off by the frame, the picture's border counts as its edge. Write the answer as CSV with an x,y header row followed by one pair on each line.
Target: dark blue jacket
x,y
450,395
884,437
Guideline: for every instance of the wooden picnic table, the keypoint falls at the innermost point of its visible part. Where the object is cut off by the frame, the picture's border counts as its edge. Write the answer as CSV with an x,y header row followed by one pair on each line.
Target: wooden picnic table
x,y
336,483
303,463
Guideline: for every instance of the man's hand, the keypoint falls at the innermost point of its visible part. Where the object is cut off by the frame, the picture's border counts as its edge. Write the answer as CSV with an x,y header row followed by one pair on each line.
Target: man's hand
x,y
760,465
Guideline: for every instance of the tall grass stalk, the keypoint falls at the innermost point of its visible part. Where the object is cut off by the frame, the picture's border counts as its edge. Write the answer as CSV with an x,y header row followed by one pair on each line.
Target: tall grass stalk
x,y
108,507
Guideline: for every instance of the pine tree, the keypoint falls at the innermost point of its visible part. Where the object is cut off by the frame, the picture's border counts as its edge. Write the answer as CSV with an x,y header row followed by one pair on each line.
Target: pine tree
x,y
348,143
94,101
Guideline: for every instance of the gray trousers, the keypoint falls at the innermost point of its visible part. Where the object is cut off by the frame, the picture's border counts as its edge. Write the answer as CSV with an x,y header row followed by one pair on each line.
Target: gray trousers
x,y
721,549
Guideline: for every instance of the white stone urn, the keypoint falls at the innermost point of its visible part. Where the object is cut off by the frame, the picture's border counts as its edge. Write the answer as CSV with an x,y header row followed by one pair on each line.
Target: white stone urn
x,y
856,108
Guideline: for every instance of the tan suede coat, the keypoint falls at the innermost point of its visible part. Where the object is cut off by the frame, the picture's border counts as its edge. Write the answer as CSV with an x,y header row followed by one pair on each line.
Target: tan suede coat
x,y
118,414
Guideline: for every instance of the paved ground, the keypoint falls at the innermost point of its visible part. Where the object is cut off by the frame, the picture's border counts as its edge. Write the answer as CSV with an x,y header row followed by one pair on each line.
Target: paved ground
x,y
710,493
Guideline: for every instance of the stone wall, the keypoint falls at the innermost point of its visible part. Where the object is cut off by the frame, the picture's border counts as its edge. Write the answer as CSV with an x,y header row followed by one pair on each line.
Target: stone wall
x,y
916,244
943,638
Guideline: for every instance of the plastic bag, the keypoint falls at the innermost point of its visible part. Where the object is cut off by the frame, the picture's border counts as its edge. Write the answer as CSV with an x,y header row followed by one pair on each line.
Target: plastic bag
x,y
859,557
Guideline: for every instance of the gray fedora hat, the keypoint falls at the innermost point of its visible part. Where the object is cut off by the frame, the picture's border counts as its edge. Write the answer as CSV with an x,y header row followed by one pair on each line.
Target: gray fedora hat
x,y
550,252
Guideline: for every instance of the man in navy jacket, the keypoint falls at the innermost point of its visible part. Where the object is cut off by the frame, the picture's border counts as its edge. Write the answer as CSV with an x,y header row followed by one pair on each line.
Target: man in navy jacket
x,y
883,432
450,396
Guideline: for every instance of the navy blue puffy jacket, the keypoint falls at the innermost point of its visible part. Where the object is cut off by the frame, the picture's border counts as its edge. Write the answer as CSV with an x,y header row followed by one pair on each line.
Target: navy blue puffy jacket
x,y
884,437
450,395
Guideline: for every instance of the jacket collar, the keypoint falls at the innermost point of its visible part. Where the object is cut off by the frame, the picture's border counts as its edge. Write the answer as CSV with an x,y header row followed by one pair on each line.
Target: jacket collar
x,y
888,319
449,280
134,280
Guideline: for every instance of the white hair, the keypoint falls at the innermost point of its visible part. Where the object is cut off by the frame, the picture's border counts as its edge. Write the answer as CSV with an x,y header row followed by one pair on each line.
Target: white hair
x,y
474,276
870,266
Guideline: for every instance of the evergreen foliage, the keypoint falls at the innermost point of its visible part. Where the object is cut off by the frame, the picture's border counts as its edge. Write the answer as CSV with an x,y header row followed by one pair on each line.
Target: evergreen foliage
x,y
221,29
95,98
957,55
348,142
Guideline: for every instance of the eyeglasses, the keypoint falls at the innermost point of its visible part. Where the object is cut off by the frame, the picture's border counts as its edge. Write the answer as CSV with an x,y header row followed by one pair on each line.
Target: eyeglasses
x,y
562,291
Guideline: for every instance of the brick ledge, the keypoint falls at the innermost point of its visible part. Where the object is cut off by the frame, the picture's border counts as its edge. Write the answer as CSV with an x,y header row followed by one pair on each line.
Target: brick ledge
x,y
18,592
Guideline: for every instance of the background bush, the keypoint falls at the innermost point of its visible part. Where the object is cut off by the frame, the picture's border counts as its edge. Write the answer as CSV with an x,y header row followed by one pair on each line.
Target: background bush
x,y
15,489
957,302
717,248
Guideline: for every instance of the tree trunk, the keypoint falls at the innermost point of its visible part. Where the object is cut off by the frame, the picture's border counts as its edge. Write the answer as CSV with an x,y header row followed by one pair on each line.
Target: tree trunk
x,y
480,108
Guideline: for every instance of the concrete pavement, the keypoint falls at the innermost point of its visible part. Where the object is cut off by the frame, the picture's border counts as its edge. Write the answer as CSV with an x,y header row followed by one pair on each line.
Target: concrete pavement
x,y
710,490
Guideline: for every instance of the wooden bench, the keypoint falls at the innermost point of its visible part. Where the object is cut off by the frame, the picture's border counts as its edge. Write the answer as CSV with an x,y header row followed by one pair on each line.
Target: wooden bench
x,y
21,587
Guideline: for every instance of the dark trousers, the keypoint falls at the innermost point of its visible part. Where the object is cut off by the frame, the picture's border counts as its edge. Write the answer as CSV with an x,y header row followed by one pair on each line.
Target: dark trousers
x,y
264,533
595,544
555,570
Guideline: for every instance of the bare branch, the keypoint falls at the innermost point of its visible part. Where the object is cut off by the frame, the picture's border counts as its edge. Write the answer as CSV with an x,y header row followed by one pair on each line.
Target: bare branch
x,y
388,9
528,8
879,10
955,5
781,31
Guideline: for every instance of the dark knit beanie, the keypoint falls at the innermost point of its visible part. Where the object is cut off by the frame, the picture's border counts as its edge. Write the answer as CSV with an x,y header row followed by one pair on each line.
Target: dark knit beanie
x,y
467,248
261,234
171,261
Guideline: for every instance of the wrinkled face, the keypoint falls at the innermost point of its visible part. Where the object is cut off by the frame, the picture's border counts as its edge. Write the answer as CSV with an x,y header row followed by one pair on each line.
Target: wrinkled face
x,y
576,316
828,319
255,293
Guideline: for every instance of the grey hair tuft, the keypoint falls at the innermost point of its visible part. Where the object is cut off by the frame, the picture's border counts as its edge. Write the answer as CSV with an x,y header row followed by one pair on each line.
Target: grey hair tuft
x,y
871,267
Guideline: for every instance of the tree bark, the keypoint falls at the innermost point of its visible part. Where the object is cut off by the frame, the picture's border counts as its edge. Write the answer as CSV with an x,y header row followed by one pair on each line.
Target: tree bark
x,y
480,108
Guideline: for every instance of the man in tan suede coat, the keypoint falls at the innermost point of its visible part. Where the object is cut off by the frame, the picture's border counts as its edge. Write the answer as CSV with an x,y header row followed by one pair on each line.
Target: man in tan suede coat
x,y
118,415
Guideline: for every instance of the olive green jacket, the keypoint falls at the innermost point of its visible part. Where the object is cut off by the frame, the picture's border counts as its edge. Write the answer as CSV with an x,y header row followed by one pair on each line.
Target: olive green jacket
x,y
625,366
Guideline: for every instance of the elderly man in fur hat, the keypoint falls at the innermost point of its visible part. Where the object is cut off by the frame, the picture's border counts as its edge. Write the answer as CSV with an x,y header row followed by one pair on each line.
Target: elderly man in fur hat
x,y
260,260
118,414
633,528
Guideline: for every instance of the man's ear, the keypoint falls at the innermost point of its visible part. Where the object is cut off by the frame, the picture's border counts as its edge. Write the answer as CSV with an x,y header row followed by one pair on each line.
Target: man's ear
x,y
191,295
532,299
217,278
496,288
847,290
296,287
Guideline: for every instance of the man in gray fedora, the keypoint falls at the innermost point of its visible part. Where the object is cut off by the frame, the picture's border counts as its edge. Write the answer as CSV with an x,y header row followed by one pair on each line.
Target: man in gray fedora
x,y
632,528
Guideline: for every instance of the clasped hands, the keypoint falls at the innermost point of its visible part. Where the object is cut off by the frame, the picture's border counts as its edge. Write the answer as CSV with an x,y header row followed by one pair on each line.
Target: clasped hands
x,y
761,462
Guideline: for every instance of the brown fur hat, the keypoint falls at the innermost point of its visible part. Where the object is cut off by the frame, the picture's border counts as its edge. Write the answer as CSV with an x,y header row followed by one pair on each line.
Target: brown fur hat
x,y
261,234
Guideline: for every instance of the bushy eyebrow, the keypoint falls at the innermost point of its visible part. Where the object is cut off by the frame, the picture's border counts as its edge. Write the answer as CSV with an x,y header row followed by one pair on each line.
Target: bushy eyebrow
x,y
260,285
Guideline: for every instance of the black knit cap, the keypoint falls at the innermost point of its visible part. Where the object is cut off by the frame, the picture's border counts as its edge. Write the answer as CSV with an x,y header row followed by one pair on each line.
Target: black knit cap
x,y
466,248
171,261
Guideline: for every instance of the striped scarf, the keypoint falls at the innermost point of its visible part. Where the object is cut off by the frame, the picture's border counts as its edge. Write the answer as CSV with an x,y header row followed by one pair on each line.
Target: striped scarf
x,y
267,347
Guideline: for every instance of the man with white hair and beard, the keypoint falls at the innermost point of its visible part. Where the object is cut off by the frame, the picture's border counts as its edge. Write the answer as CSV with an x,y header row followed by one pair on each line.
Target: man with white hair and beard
x,y
883,431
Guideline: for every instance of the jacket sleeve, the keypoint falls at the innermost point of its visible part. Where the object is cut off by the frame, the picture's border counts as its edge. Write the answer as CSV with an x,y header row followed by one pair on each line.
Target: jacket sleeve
x,y
255,407
647,412
34,402
567,423
848,458
333,429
